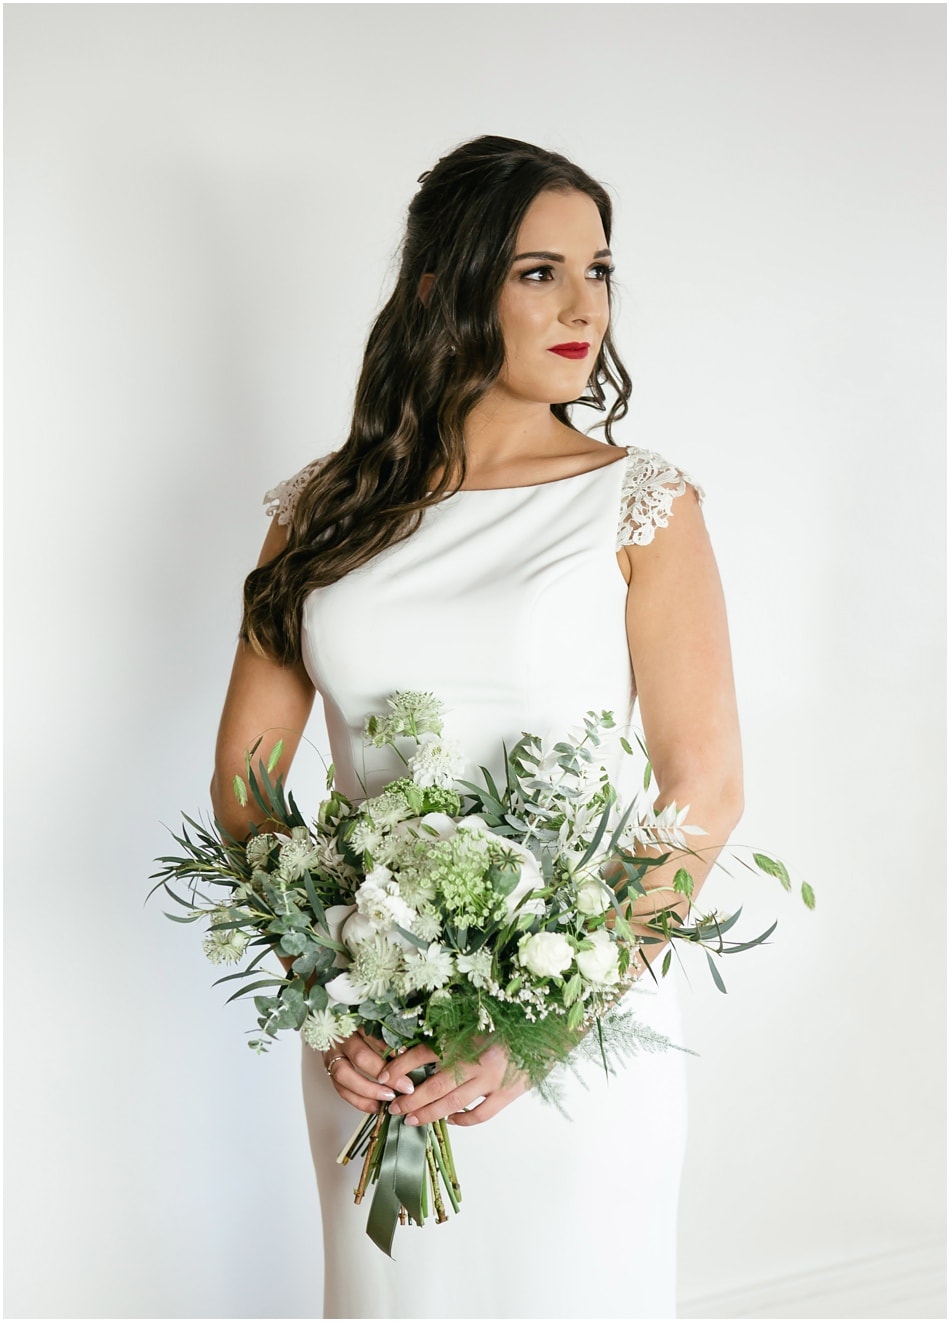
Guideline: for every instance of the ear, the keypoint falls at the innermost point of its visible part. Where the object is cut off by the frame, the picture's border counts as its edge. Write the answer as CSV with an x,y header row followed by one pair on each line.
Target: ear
x,y
425,284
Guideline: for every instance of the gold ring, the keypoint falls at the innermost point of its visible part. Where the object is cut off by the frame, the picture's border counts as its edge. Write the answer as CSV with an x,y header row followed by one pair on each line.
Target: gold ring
x,y
328,1064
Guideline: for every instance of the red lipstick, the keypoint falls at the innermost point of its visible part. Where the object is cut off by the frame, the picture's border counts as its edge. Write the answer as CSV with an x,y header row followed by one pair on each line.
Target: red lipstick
x,y
575,350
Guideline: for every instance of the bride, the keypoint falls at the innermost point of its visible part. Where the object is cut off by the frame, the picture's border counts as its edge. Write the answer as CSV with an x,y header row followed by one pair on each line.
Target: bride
x,y
468,539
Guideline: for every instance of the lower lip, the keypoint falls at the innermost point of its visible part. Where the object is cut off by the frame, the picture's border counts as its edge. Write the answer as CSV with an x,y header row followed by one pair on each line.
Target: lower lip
x,y
571,353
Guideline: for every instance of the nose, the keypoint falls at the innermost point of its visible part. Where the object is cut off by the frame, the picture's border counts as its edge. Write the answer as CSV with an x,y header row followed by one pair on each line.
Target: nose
x,y
585,301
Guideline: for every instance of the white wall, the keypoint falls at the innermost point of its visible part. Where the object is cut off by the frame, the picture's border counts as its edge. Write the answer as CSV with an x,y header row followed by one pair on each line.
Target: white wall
x,y
202,204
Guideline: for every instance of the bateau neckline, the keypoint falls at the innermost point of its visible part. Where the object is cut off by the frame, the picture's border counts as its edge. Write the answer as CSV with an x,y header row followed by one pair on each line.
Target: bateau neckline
x,y
552,482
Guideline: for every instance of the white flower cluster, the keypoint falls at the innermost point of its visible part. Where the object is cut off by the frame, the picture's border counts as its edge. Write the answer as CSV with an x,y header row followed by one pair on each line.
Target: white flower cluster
x,y
436,762
411,714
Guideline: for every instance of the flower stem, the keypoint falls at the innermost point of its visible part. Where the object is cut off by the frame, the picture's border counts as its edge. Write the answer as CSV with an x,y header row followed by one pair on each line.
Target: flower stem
x,y
445,1148
440,1214
375,1143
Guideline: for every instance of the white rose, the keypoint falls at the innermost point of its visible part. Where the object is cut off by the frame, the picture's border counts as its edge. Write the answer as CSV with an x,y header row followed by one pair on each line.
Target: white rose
x,y
592,897
546,954
600,964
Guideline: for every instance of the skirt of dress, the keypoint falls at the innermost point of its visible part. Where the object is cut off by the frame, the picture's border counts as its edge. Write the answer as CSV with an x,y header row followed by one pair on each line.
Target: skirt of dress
x,y
560,1218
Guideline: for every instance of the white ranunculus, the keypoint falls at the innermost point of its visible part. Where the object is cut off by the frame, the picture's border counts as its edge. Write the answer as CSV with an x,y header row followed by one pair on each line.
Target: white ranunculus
x,y
337,916
343,990
440,823
593,897
356,928
530,880
475,823
546,954
600,964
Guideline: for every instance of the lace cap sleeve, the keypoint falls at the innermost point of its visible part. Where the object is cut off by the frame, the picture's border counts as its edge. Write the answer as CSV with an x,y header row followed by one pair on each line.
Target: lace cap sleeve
x,y
650,485
282,499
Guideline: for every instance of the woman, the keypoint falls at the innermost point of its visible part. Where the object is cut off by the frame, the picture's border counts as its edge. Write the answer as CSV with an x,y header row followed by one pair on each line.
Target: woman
x,y
467,539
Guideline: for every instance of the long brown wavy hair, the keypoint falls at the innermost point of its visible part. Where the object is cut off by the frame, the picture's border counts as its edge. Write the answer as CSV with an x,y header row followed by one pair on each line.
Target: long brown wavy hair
x,y
425,367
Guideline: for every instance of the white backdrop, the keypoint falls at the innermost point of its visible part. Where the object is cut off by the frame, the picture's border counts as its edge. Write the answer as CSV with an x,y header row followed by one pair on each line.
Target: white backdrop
x,y
202,206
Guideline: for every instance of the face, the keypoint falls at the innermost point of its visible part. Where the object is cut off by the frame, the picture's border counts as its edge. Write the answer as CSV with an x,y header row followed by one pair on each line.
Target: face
x,y
555,297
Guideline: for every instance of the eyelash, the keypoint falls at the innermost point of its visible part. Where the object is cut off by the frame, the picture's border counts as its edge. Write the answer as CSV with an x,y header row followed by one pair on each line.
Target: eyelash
x,y
606,273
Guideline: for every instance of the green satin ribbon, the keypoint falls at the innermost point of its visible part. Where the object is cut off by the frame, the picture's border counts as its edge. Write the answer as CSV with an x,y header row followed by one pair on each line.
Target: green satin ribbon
x,y
401,1173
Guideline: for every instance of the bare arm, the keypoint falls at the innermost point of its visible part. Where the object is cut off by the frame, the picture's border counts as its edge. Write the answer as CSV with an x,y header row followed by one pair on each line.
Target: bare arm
x,y
679,648
268,699
264,700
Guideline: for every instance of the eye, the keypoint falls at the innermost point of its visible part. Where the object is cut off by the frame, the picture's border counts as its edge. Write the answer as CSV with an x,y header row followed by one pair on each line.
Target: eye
x,y
544,272
602,272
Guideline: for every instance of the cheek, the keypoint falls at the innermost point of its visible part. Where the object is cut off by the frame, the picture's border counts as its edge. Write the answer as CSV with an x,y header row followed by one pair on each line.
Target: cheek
x,y
524,325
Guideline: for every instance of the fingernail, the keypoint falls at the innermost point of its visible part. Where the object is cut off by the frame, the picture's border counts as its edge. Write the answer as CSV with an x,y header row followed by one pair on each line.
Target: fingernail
x,y
394,1109
404,1085
382,1076
387,1095
412,1119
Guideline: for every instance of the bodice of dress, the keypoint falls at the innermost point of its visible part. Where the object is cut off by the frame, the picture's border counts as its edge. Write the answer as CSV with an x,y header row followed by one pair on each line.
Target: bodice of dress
x,y
508,604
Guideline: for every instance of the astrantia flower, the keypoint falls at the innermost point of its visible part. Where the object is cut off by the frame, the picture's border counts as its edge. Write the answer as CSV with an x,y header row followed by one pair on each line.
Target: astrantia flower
x,y
428,969
437,762
477,967
388,808
428,925
296,857
377,965
413,714
365,836
420,712
258,849
322,1029
224,945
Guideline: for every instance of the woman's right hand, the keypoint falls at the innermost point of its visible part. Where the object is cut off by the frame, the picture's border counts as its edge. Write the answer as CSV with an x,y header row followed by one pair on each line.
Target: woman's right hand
x,y
354,1066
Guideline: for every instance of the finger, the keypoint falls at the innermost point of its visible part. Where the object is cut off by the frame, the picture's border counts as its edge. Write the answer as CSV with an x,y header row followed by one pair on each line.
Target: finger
x,y
488,1108
431,1090
396,1073
454,1102
347,1078
361,1103
362,1056
377,1043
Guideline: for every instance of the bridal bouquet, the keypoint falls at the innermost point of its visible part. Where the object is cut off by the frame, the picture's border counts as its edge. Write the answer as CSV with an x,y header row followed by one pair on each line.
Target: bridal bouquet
x,y
446,912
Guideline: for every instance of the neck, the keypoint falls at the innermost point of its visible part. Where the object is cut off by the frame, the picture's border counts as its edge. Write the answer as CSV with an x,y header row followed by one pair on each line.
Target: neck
x,y
501,431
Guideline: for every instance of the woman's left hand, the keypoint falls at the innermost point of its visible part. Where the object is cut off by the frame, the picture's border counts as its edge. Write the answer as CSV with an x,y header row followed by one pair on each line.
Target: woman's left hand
x,y
446,1095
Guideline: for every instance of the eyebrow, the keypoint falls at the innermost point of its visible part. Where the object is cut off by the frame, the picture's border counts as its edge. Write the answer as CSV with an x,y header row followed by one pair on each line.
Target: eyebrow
x,y
556,256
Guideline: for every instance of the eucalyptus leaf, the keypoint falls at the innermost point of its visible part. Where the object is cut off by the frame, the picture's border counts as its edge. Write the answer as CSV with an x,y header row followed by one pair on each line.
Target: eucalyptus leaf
x,y
715,972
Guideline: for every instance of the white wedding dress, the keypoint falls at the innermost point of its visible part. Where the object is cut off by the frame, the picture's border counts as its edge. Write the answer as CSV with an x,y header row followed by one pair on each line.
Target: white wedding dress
x,y
508,604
